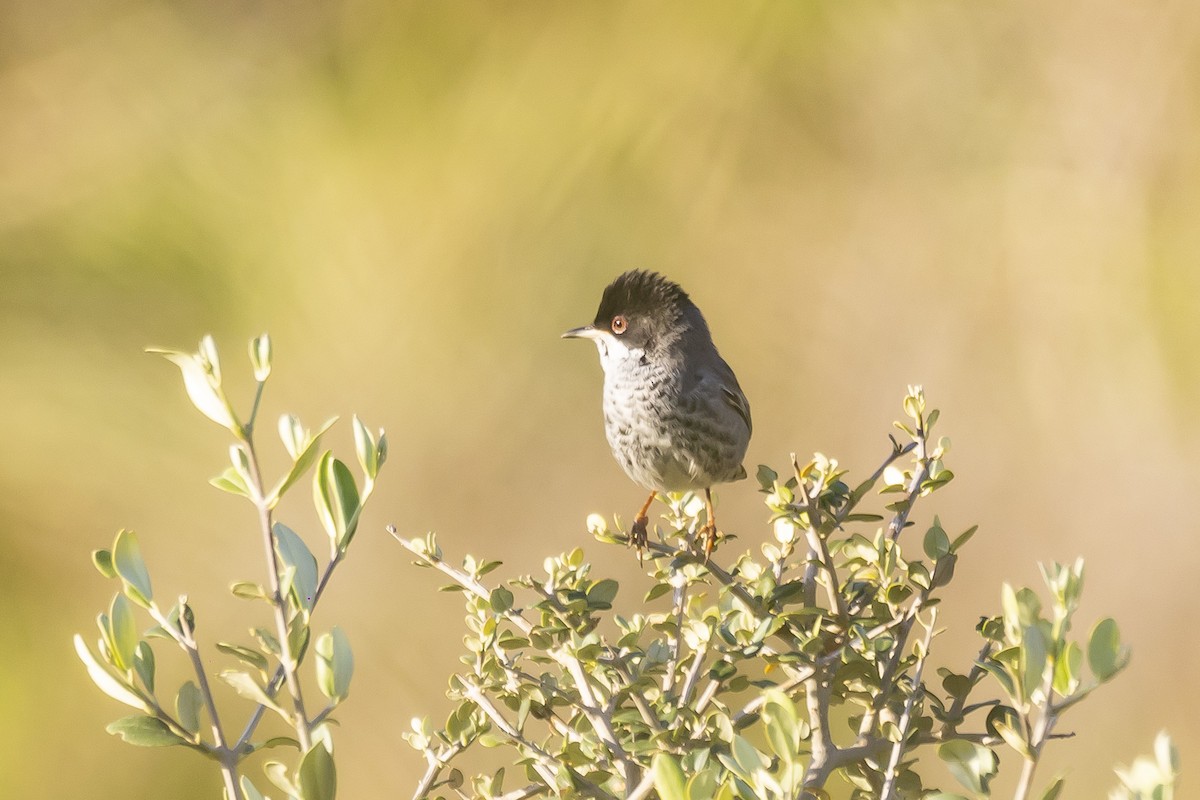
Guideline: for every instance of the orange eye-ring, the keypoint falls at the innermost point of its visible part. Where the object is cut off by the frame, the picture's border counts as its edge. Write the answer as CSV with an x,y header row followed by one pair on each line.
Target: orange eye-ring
x,y
619,324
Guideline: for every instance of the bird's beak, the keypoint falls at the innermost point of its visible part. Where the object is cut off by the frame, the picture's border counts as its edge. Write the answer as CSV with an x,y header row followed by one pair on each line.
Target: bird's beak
x,y
586,332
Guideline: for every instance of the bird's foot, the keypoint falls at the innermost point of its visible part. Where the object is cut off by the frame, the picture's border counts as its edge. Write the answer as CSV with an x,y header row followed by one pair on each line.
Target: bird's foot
x,y
638,537
708,538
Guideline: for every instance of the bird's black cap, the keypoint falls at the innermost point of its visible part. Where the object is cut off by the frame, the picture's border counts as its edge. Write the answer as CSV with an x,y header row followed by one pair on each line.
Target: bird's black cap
x,y
649,311
641,293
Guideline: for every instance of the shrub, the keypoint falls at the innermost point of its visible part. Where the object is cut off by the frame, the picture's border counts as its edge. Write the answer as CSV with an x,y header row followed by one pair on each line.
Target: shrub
x,y
735,676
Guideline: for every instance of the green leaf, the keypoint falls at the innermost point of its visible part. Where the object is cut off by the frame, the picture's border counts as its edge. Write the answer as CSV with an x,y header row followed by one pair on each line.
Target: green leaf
x,y
1106,657
247,687
293,435
782,723
602,593
381,450
747,756
230,480
1166,755
1004,722
973,765
144,731
277,773
143,664
657,590
303,453
122,632
102,559
766,477
247,590
268,641
1033,659
318,777
1066,670
298,636
943,570
260,357
937,543
366,449
668,778
202,380
251,658
703,785
963,538
501,600
293,552
187,707
250,790
335,496
1054,790
335,664
108,683
127,561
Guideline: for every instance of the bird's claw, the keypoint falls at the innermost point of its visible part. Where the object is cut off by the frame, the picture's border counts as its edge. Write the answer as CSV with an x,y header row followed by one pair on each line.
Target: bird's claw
x,y
638,537
708,536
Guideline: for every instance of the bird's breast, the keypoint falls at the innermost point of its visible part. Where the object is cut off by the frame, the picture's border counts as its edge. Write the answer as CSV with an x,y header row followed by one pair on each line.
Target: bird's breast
x,y
668,439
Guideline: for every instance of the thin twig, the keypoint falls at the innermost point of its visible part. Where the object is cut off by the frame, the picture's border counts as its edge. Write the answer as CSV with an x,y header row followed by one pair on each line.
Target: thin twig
x,y
889,783
277,678
437,761
680,598
532,790
544,763
278,602
1038,733
184,636
693,673
914,486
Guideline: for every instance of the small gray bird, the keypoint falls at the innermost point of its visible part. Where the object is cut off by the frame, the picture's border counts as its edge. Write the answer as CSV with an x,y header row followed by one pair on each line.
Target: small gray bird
x,y
675,417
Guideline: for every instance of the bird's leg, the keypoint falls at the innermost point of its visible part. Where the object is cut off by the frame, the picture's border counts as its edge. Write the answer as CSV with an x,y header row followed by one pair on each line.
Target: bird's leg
x,y
709,531
637,535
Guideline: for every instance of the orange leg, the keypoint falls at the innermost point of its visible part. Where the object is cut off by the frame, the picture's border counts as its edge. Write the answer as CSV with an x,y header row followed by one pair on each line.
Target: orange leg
x,y
638,536
709,531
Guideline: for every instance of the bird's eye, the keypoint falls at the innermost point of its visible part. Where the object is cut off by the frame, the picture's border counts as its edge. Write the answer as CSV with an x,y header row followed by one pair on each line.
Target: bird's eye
x,y
619,324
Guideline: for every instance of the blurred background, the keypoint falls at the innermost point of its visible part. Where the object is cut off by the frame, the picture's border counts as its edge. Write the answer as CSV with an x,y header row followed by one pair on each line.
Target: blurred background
x,y
998,201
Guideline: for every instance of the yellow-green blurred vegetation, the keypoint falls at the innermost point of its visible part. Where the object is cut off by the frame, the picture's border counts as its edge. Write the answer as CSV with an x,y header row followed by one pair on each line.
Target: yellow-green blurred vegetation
x,y
1000,201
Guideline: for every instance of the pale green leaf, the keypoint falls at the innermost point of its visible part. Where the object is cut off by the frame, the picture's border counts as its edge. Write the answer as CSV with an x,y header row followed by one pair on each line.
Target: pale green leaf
x,y
973,765
668,778
306,451
144,731
318,777
102,559
1106,656
122,632
202,386
250,791
335,664
366,449
143,665
247,687
187,707
293,552
106,681
260,356
231,481
335,496
128,563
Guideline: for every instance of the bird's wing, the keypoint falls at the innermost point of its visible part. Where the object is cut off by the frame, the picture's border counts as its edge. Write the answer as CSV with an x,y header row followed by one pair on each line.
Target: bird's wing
x,y
731,393
734,397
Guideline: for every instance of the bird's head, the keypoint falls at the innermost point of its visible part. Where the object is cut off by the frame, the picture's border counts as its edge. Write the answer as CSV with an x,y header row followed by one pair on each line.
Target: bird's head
x,y
641,315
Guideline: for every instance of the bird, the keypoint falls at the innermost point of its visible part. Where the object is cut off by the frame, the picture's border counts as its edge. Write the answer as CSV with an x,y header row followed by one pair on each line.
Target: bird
x,y
674,414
